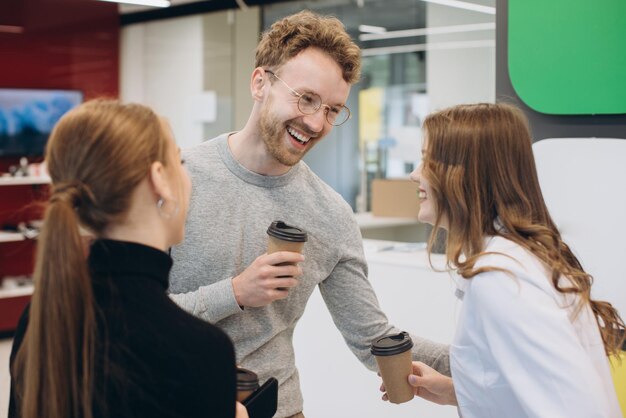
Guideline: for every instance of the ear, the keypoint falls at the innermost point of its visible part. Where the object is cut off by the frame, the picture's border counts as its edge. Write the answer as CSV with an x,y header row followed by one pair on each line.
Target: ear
x,y
159,181
257,84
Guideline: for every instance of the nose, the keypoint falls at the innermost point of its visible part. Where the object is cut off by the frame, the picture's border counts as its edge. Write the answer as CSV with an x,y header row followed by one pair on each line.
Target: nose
x,y
316,121
416,174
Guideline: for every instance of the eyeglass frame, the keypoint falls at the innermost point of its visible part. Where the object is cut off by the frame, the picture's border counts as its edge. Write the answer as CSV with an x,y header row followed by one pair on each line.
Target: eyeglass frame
x,y
321,104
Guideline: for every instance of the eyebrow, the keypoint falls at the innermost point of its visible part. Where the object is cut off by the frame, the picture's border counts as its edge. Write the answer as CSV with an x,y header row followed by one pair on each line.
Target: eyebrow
x,y
320,96
299,92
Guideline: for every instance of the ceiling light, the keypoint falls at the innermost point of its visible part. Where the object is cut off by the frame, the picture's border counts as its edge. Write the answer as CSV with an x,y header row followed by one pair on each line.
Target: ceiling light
x,y
372,29
153,3
427,31
465,5
403,49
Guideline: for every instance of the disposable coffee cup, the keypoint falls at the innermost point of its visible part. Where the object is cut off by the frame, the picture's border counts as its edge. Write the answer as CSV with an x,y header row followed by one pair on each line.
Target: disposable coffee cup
x,y
247,382
283,237
393,355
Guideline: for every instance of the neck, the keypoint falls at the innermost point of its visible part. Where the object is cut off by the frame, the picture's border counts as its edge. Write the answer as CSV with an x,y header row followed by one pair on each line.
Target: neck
x,y
250,151
140,234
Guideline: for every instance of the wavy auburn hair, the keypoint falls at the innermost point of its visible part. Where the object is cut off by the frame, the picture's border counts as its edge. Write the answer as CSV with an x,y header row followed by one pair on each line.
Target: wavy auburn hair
x,y
480,166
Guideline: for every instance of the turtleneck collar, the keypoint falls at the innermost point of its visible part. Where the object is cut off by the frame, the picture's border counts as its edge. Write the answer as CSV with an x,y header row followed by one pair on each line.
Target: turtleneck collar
x,y
120,258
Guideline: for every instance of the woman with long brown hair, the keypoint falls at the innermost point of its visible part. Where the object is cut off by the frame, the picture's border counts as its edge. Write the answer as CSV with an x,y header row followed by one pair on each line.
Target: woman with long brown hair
x,y
530,341
101,338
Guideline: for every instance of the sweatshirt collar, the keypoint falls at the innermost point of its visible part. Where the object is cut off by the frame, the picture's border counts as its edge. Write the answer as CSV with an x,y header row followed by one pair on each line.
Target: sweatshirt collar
x,y
250,176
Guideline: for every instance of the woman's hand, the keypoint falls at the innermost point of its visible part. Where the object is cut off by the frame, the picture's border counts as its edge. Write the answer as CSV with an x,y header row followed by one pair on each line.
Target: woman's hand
x,y
241,411
432,385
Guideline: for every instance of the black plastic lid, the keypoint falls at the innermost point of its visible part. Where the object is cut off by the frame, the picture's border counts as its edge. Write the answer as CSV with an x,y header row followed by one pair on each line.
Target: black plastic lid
x,y
246,379
392,344
281,230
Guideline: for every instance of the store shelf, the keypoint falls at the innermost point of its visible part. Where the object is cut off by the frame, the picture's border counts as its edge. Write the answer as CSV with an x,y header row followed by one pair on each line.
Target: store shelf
x,y
11,236
16,292
17,181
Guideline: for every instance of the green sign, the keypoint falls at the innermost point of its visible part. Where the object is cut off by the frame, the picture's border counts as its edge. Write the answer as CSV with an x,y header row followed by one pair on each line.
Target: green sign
x,y
568,57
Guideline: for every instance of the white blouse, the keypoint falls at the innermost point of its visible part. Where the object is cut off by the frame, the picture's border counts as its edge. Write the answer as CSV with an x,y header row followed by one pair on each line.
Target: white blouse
x,y
521,351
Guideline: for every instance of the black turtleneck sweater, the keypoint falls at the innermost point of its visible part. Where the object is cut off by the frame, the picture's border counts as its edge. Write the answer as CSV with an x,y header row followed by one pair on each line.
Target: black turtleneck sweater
x,y
153,359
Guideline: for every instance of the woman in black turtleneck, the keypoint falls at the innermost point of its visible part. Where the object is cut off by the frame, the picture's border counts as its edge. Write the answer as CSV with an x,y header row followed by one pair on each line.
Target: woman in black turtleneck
x,y
101,338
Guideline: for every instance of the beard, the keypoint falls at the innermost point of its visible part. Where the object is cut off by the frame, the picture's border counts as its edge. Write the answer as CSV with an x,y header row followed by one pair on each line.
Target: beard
x,y
273,132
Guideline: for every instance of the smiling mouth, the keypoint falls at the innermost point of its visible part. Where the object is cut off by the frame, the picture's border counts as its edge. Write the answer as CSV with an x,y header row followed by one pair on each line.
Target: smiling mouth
x,y
299,137
421,194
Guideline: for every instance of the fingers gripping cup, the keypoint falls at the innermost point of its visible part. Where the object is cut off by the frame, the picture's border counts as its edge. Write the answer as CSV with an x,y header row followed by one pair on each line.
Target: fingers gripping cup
x,y
393,355
247,382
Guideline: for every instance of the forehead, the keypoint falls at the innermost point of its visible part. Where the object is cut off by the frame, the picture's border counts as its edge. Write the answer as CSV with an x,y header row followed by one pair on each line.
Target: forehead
x,y
167,130
314,70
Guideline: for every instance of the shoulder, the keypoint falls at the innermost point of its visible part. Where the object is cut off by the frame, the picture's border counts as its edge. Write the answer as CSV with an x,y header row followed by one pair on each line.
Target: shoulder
x,y
328,213
514,275
319,191
199,155
191,327
503,254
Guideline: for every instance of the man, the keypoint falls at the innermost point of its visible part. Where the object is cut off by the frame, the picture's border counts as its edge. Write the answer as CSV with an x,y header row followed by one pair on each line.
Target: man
x,y
305,65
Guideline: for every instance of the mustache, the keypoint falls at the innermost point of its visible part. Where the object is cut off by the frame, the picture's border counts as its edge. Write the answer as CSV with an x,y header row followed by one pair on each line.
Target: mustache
x,y
305,129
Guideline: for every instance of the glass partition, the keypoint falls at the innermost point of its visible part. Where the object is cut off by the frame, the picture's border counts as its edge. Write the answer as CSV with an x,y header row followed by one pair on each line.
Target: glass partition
x,y
418,56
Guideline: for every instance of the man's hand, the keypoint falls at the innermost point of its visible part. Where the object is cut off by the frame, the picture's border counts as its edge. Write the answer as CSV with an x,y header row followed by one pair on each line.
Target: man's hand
x,y
265,281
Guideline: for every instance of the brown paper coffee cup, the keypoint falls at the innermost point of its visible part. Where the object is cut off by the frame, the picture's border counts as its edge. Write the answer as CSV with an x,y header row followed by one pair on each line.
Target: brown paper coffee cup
x,y
393,356
247,382
275,244
283,237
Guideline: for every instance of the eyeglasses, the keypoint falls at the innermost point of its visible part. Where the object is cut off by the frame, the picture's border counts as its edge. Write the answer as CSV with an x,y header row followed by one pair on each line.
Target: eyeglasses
x,y
310,103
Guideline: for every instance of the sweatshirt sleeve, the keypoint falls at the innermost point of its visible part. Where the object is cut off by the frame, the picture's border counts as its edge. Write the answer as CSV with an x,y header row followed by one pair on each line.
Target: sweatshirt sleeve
x,y
211,302
354,308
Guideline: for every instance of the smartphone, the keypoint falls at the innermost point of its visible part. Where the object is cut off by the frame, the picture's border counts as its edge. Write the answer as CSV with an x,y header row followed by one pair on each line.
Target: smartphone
x,y
263,402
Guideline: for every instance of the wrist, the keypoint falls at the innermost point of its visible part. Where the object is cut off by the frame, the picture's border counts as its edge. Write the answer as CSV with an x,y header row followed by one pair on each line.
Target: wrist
x,y
236,291
452,395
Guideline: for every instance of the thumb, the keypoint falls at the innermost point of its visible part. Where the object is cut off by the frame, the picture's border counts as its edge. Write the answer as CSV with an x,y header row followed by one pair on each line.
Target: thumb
x,y
414,380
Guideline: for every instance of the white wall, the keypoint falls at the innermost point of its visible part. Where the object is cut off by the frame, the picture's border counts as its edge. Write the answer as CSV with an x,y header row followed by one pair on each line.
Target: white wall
x,y
161,66
465,74
193,70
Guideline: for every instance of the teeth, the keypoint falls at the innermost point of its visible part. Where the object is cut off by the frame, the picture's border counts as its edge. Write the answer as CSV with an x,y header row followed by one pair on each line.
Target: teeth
x,y
299,137
421,195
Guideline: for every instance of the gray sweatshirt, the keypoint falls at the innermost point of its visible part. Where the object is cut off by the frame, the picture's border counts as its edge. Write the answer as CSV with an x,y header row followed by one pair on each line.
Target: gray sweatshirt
x,y
231,208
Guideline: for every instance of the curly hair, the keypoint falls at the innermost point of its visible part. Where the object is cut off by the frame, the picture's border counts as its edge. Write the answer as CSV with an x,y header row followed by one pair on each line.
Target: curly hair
x,y
481,169
293,34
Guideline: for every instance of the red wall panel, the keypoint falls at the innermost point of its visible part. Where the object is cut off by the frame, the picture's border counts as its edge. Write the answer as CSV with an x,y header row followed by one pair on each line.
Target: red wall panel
x,y
68,44
56,44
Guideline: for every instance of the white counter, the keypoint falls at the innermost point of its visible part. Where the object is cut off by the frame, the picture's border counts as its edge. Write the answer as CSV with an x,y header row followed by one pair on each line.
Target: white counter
x,y
414,297
391,228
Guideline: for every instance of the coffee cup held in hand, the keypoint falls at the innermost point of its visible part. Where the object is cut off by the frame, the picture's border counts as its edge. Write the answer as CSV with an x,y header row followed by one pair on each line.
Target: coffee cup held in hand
x,y
393,355
283,237
247,382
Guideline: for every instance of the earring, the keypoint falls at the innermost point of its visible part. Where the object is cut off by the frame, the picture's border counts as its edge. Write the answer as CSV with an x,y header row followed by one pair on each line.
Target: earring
x,y
164,214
